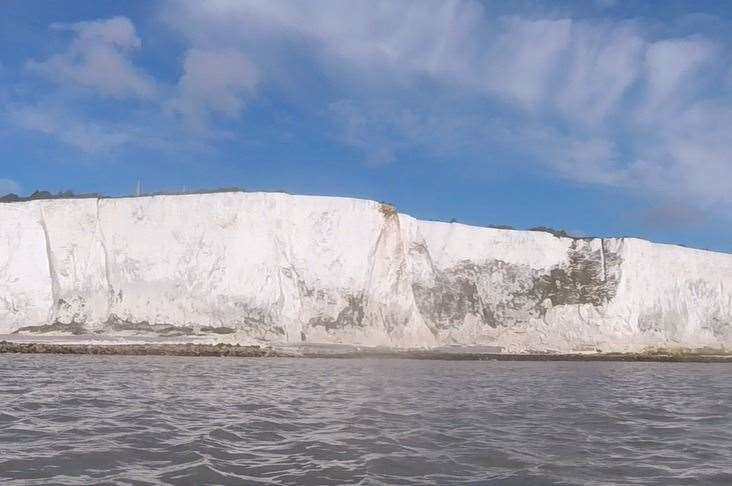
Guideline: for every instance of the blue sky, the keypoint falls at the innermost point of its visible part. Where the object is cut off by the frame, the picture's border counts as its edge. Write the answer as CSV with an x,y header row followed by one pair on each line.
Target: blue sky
x,y
598,117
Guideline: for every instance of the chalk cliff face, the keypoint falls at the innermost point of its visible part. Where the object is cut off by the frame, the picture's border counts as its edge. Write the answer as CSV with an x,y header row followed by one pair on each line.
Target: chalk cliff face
x,y
281,268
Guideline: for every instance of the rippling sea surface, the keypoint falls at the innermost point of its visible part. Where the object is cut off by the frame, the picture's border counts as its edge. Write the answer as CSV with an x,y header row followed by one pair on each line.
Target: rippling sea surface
x,y
166,420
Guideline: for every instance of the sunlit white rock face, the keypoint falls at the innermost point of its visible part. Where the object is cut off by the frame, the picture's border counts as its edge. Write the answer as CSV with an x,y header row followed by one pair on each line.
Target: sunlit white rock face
x,y
288,269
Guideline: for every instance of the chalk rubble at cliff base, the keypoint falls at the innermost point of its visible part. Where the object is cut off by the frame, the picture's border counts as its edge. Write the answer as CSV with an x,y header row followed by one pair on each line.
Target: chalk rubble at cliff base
x,y
280,269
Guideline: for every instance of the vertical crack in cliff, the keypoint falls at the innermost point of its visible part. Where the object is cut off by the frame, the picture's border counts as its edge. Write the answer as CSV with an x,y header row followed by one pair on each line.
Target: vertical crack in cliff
x,y
103,242
602,259
369,303
51,269
371,260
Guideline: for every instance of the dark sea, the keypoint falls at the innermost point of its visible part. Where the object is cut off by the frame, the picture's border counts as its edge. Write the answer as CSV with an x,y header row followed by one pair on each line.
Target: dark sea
x,y
166,420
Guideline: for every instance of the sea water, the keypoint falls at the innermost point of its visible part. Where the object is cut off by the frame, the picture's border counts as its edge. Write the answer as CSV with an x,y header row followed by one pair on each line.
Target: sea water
x,y
168,420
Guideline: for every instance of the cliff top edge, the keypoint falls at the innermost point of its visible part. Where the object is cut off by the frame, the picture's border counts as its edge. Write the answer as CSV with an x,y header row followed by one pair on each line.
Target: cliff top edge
x,y
44,197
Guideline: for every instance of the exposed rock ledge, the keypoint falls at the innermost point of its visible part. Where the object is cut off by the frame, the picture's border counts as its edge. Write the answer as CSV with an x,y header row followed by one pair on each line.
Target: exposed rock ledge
x,y
228,350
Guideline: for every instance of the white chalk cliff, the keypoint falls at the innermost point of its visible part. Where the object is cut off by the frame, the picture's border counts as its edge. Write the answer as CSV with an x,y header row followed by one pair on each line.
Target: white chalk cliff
x,y
282,268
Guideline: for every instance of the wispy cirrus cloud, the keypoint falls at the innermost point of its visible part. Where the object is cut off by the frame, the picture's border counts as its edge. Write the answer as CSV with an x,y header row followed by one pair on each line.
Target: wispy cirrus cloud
x,y
596,100
673,68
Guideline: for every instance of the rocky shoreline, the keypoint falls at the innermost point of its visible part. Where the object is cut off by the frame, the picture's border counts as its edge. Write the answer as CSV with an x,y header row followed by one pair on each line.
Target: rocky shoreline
x,y
187,349
253,351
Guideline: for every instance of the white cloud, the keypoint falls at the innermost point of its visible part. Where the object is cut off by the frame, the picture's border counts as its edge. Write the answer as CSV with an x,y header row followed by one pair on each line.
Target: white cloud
x,y
98,58
671,65
603,62
693,156
213,82
455,42
8,186
412,36
525,57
